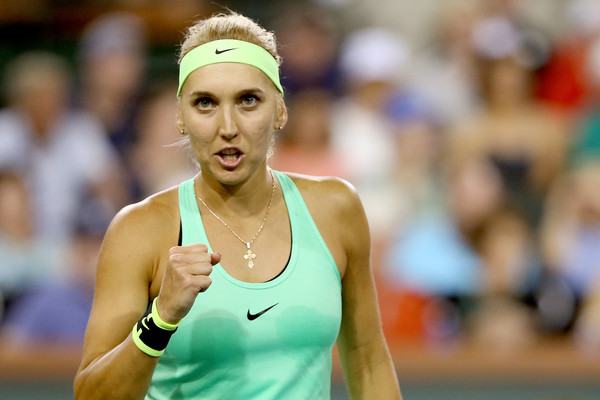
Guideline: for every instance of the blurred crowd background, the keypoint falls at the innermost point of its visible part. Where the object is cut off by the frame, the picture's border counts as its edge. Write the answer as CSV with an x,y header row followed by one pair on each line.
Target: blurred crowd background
x,y
471,130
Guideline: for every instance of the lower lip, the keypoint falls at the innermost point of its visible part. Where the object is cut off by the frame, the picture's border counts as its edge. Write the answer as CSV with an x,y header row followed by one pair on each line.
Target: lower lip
x,y
229,163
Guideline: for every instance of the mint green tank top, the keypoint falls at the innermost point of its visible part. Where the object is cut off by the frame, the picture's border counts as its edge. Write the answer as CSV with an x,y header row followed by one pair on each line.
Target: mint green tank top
x,y
257,341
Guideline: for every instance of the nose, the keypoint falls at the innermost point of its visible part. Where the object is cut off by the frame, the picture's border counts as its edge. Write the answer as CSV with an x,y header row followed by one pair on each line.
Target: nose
x,y
227,126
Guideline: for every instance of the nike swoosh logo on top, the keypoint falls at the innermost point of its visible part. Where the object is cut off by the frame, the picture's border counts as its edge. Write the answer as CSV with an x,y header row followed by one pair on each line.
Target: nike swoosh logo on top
x,y
252,317
217,51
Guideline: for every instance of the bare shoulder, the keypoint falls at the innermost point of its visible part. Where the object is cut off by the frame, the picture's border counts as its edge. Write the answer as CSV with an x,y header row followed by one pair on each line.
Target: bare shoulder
x,y
336,208
328,194
141,231
148,214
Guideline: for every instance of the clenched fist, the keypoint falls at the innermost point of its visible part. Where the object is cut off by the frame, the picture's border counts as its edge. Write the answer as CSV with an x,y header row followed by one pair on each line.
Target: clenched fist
x,y
186,275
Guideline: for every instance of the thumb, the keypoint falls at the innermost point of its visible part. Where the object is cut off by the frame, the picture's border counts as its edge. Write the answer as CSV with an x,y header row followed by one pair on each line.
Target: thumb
x,y
215,258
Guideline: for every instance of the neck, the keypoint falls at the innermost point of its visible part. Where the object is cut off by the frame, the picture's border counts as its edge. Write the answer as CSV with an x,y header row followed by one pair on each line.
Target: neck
x,y
242,199
40,125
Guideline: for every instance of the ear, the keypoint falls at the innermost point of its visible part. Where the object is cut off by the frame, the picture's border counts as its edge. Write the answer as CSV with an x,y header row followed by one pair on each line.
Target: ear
x,y
179,121
282,114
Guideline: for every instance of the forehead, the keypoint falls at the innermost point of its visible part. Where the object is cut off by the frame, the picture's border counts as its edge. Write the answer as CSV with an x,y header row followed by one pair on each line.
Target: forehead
x,y
227,77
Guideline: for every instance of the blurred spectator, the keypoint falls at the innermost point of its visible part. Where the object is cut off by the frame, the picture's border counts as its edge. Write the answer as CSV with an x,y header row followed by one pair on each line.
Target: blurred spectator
x,y
432,264
483,256
62,153
446,75
112,57
26,260
56,313
503,318
586,141
309,44
305,144
509,249
525,141
473,194
373,63
587,326
419,148
564,81
571,239
157,141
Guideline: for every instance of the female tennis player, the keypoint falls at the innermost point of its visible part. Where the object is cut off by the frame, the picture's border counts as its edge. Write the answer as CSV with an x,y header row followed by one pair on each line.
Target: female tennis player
x,y
237,283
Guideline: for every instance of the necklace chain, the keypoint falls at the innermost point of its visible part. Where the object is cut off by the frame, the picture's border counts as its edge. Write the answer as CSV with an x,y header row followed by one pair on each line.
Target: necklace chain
x,y
250,255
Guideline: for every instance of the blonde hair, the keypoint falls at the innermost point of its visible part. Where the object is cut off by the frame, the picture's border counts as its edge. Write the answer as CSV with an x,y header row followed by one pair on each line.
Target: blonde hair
x,y
229,26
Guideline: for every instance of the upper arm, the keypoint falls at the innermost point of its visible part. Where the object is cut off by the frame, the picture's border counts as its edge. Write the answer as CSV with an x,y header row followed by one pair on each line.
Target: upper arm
x,y
366,361
128,260
360,312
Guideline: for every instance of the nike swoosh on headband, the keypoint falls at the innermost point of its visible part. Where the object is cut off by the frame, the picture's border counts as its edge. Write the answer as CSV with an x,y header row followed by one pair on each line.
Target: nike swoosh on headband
x,y
217,51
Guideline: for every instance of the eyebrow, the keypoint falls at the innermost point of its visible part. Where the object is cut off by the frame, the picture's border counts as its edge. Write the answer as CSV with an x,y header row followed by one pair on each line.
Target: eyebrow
x,y
199,93
204,93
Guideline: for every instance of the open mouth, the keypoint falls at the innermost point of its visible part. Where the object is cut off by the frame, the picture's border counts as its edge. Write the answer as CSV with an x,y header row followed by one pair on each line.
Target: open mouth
x,y
230,157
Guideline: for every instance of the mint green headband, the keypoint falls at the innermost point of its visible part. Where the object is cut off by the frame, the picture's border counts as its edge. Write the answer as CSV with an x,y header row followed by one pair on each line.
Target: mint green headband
x,y
229,51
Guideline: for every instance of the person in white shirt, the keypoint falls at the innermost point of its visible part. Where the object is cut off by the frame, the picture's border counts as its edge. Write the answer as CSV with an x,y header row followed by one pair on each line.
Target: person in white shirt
x,y
63,154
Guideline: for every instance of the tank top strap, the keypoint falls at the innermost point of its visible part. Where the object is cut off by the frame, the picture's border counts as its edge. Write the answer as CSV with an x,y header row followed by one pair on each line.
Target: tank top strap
x,y
304,228
191,220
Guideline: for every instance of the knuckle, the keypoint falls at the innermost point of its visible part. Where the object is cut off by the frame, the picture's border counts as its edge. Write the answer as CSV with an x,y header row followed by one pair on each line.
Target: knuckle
x,y
204,258
204,283
175,259
176,277
188,281
202,247
204,268
201,269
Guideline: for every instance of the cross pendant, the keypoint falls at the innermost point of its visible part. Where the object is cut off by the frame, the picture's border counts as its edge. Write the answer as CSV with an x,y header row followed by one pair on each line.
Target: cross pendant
x,y
250,256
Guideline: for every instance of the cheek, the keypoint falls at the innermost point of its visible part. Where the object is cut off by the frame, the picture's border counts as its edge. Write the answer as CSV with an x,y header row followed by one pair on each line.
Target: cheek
x,y
261,129
266,128
199,144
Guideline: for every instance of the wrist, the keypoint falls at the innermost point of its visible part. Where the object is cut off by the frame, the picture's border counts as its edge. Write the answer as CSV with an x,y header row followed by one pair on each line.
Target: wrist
x,y
151,334
162,323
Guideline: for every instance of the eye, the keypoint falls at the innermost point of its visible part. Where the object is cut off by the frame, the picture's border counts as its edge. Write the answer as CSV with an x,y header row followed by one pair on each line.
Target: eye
x,y
204,103
249,100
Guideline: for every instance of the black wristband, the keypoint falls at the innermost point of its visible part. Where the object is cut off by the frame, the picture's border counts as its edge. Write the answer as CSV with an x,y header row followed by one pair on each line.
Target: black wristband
x,y
149,337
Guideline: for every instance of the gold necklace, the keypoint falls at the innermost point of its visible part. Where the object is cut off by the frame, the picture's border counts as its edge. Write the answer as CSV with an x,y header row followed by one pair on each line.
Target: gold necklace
x,y
250,255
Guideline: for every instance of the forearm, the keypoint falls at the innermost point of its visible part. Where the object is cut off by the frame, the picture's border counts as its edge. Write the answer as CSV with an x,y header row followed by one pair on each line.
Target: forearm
x,y
123,373
370,374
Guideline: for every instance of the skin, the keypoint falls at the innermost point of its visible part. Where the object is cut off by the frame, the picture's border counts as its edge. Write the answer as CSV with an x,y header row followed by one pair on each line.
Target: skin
x,y
227,106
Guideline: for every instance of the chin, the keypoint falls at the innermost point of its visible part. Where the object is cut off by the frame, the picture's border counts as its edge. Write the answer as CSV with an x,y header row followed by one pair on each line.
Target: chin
x,y
228,177
234,176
